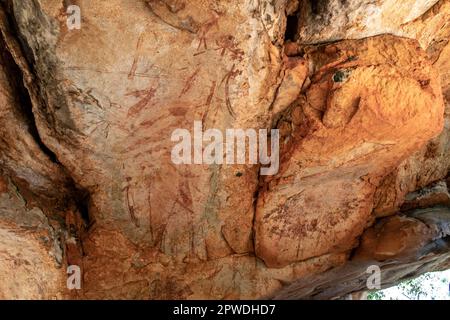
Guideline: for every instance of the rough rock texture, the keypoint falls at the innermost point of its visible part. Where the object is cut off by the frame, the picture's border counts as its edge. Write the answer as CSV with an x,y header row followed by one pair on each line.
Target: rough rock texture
x,y
330,20
365,102
23,156
403,246
86,118
31,255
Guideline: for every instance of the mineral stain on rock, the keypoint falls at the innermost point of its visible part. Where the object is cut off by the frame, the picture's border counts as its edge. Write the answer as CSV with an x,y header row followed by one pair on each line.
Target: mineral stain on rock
x,y
357,89
340,75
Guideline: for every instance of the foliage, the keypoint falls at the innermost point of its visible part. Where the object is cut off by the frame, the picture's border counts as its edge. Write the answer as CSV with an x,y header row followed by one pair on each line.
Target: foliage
x,y
375,295
413,289
428,286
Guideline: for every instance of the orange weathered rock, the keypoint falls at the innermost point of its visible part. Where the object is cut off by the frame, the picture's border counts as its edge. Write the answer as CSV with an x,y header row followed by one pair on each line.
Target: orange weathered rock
x,y
86,120
400,247
369,106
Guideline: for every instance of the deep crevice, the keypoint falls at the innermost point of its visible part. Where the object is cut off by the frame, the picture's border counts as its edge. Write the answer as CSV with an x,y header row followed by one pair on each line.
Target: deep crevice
x,y
291,27
24,103
83,203
77,195
7,7
314,6
16,76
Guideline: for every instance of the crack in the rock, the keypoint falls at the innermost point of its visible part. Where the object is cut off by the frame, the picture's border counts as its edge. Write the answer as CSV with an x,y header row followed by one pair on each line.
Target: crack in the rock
x,y
291,32
21,72
24,104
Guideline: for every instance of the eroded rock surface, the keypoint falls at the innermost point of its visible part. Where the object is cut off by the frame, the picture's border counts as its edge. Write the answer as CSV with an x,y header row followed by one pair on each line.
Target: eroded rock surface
x,y
402,246
31,257
358,116
86,122
331,20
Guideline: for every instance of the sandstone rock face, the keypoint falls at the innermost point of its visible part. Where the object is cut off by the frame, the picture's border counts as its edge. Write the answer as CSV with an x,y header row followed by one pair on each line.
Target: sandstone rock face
x,y
86,122
364,104
332,20
401,246
31,257
22,156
